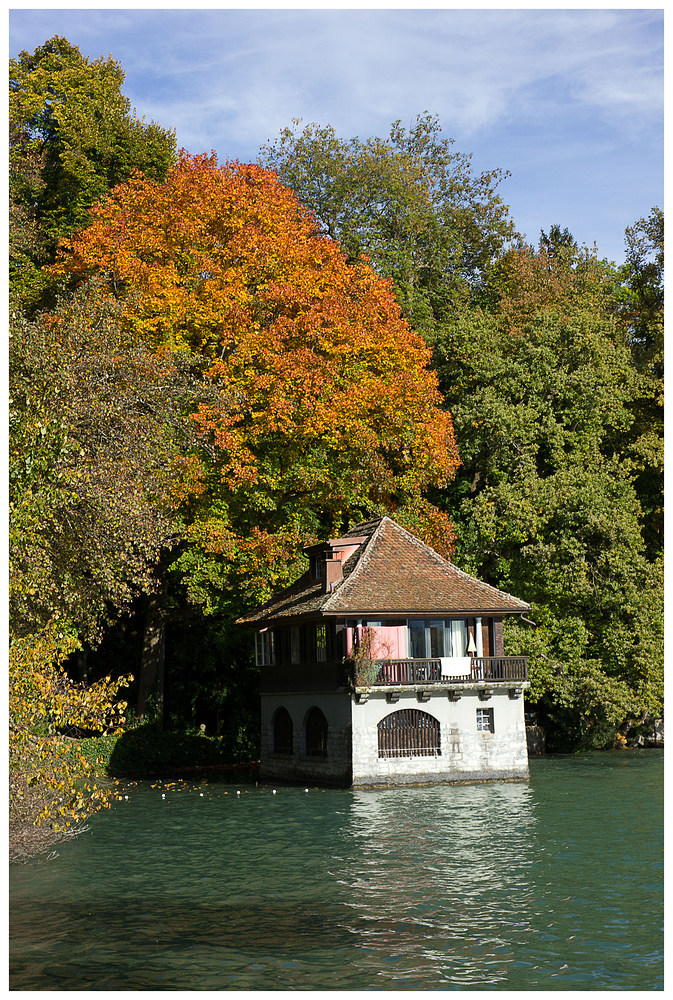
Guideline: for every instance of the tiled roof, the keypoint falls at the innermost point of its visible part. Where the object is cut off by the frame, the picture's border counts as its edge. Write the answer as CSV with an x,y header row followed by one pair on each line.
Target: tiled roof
x,y
392,573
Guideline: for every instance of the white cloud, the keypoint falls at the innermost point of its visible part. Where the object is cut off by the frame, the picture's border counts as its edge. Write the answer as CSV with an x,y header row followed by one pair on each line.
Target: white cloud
x,y
252,72
526,89
475,68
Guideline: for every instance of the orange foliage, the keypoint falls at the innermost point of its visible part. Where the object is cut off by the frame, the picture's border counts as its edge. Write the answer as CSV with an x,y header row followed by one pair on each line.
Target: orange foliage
x,y
328,391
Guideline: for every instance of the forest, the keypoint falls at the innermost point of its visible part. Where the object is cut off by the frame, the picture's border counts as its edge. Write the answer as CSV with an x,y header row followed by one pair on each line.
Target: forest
x,y
211,364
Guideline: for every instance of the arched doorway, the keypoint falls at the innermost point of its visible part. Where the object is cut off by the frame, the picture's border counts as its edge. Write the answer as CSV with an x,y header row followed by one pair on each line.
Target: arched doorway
x,y
315,730
283,732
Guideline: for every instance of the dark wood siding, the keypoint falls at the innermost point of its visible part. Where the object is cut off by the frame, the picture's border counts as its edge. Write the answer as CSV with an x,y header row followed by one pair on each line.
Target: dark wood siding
x,y
486,629
303,677
499,645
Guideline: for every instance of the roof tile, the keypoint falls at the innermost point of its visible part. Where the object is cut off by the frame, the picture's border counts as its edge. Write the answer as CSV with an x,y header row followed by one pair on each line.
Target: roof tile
x,y
391,573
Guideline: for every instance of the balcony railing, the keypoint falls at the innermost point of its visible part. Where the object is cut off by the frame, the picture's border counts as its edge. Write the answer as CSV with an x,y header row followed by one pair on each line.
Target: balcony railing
x,y
482,668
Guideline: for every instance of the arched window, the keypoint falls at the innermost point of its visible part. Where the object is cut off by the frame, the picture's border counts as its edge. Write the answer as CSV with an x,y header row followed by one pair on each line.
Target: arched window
x,y
282,732
316,734
409,733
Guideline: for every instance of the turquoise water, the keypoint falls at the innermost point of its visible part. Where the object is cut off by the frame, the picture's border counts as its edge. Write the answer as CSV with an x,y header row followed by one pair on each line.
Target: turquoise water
x,y
556,884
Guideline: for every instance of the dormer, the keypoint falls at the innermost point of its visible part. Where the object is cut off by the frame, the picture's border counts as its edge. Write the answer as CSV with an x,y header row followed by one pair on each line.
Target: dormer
x,y
326,559
314,561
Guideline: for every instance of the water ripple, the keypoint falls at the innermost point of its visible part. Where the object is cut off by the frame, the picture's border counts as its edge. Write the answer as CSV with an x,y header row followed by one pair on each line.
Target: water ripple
x,y
512,886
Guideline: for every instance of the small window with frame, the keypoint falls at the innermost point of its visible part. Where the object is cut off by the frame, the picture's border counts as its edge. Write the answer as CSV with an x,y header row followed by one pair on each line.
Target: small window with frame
x,y
265,648
485,720
321,643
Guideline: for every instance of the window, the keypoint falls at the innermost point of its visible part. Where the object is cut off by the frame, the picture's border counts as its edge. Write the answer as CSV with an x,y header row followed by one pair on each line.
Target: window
x,y
430,639
282,732
409,733
321,643
294,645
265,648
417,640
316,734
485,720
426,639
457,642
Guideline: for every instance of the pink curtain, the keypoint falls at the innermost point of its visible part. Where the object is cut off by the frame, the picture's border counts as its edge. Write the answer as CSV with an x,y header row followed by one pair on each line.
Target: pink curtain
x,y
389,642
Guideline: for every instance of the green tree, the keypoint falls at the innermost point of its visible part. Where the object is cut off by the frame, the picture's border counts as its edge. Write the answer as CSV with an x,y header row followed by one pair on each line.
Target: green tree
x,y
542,390
410,202
72,137
96,422
643,273
642,313
557,241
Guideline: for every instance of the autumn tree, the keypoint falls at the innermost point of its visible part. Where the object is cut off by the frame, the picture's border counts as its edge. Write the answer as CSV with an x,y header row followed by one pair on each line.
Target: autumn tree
x,y
327,409
51,783
72,137
557,277
96,419
411,202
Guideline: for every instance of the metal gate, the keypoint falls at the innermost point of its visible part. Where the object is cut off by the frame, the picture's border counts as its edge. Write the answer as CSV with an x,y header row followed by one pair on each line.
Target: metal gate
x,y
409,733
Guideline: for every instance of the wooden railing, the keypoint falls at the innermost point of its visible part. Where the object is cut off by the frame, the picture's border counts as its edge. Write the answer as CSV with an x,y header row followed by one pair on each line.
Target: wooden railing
x,y
409,672
501,668
482,668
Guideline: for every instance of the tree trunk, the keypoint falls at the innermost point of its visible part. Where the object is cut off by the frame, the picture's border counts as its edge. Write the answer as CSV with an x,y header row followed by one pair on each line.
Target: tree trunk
x,y
82,662
154,647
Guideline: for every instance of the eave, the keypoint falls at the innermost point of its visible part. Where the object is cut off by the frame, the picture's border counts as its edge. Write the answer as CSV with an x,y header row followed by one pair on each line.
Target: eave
x,y
318,615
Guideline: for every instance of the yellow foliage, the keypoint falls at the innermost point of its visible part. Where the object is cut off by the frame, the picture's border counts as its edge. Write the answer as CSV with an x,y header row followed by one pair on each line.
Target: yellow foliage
x,y
44,704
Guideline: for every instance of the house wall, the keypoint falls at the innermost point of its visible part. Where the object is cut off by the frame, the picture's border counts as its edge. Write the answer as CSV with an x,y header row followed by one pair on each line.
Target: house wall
x,y
352,746
299,677
466,754
335,768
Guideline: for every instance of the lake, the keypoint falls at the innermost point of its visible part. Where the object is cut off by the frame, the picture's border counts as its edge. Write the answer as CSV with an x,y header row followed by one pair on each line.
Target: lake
x,y
555,884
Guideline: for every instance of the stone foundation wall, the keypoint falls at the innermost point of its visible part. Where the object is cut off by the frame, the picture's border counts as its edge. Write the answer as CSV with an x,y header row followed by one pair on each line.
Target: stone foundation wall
x,y
352,759
535,740
466,754
335,768
655,738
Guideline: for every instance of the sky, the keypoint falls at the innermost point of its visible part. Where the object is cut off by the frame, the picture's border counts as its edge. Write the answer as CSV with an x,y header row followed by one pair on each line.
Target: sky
x,y
569,101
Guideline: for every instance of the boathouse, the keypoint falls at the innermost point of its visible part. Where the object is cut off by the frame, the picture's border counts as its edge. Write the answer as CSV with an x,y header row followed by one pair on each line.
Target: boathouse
x,y
384,664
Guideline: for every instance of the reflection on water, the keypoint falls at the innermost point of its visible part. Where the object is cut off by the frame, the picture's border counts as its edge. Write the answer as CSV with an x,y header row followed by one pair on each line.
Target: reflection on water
x,y
556,884
462,883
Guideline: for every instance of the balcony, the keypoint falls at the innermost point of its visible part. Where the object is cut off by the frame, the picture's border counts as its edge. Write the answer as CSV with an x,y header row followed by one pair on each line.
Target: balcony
x,y
494,669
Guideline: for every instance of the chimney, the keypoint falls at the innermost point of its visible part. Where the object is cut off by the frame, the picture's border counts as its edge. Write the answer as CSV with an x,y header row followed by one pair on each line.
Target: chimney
x,y
333,573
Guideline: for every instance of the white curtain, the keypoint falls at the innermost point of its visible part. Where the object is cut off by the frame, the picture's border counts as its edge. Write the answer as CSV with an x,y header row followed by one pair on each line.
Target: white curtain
x,y
458,638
